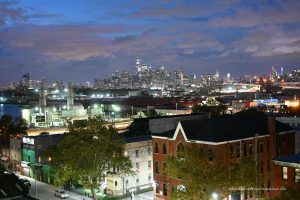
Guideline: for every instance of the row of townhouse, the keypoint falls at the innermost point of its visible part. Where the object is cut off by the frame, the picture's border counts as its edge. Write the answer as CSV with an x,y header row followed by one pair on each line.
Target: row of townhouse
x,y
26,155
248,134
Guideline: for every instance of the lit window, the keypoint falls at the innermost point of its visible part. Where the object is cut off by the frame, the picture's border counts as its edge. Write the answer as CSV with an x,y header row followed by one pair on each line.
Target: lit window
x,y
297,175
284,173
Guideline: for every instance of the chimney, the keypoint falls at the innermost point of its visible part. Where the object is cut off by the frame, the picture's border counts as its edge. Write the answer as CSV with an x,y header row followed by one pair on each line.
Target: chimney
x,y
42,100
70,100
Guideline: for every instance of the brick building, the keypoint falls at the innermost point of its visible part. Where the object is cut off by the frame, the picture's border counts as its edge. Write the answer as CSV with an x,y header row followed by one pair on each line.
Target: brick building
x,y
287,171
247,134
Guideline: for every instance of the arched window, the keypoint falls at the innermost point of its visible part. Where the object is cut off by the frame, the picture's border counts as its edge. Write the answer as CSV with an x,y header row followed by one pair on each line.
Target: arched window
x,y
164,148
157,167
164,168
156,148
180,151
210,155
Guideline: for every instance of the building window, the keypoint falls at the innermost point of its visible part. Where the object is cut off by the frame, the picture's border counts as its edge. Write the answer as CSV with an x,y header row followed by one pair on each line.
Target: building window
x,y
250,149
261,167
165,189
210,155
164,168
156,167
297,175
116,183
231,152
137,165
157,187
156,148
245,149
164,148
261,144
136,153
149,177
149,151
149,163
284,173
137,180
180,151
238,151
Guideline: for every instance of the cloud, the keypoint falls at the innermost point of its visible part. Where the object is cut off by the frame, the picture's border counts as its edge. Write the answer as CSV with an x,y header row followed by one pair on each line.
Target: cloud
x,y
122,39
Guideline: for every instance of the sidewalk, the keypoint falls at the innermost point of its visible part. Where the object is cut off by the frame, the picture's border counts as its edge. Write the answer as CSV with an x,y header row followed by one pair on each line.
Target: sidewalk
x,y
46,191
142,196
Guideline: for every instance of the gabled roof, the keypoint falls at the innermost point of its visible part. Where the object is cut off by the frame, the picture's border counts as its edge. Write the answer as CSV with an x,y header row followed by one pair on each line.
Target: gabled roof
x,y
224,128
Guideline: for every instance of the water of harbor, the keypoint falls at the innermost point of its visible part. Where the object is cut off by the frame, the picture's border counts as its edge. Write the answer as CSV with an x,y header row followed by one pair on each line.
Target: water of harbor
x,y
13,110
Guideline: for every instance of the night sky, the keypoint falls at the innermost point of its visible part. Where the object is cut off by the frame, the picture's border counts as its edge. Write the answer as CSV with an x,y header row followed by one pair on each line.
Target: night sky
x,y
81,40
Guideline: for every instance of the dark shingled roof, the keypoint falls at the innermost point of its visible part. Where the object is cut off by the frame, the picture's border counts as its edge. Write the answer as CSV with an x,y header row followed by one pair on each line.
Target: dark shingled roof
x,y
241,125
168,134
290,159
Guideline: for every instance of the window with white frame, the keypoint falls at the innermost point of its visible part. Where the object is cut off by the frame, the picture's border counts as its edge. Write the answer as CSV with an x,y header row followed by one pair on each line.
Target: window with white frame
x,y
284,173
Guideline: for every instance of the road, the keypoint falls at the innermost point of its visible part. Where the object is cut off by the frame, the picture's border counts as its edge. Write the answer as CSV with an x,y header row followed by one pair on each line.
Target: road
x,y
46,191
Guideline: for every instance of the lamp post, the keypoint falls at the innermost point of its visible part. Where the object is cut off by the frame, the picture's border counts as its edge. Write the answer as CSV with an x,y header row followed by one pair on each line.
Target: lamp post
x,y
37,167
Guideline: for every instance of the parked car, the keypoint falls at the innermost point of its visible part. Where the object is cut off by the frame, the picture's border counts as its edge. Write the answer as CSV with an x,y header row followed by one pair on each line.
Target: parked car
x,y
26,182
60,193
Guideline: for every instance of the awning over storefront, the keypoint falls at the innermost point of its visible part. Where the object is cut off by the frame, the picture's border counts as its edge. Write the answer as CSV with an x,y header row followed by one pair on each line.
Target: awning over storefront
x,y
25,164
4,158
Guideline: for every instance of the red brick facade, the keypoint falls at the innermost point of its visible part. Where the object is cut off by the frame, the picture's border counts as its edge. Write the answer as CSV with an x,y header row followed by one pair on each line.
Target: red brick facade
x,y
261,147
287,176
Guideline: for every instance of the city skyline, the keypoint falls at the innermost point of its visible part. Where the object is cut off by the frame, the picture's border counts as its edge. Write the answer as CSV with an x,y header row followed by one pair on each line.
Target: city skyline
x,y
80,41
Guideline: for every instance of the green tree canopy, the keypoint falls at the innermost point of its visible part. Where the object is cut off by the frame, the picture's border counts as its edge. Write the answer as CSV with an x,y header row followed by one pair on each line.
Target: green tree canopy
x,y
10,128
201,176
288,194
215,110
88,151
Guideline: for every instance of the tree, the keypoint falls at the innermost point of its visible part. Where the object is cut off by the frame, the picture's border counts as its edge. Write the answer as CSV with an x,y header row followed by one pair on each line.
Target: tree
x,y
288,194
2,169
87,152
152,113
215,110
10,128
201,174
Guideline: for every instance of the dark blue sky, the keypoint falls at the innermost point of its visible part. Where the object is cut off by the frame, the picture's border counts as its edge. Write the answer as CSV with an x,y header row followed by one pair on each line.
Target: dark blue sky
x,y
80,40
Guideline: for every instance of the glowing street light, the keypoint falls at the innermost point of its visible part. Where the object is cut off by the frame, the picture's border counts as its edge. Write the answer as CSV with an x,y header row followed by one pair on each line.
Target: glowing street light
x,y
116,108
215,195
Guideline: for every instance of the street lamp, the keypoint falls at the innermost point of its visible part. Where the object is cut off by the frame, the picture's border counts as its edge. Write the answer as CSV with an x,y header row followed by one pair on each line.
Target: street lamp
x,y
215,195
37,167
